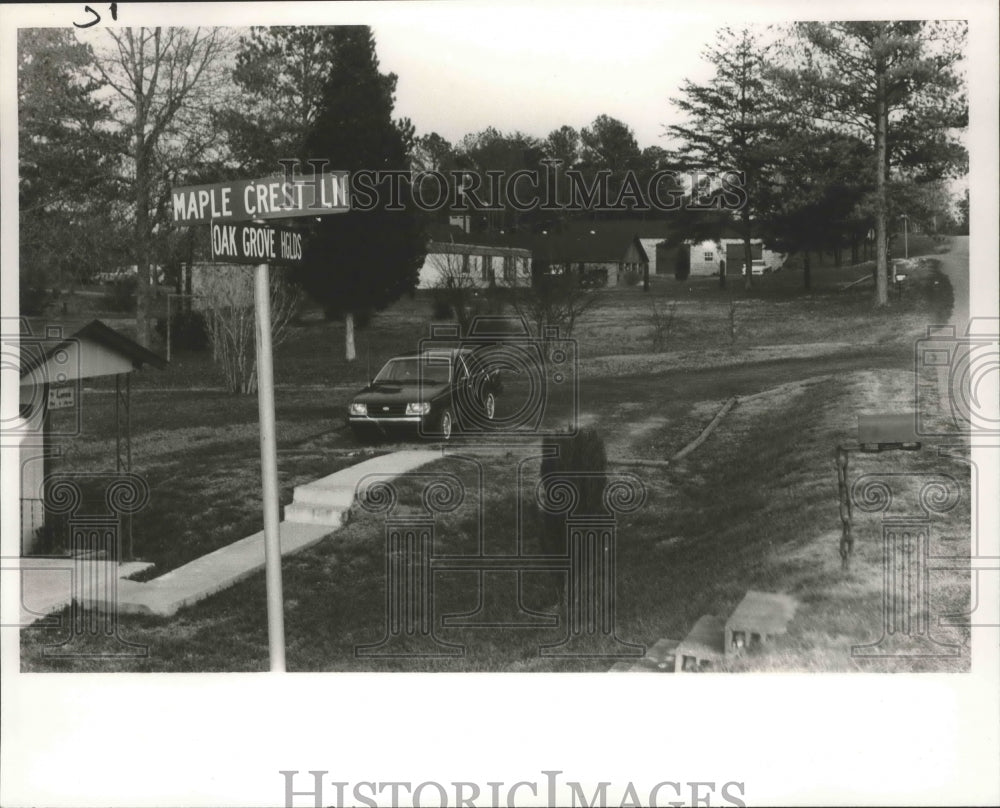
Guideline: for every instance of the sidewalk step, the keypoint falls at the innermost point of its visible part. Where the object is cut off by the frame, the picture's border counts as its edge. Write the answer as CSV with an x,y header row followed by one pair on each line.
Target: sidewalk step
x,y
341,496
304,513
318,509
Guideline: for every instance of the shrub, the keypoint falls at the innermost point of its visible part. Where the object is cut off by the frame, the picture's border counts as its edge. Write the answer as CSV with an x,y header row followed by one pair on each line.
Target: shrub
x,y
34,300
631,278
682,264
188,331
440,305
121,296
583,453
661,318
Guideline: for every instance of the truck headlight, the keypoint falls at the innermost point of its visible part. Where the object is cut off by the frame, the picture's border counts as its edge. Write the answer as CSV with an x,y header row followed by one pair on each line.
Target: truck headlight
x,y
418,408
358,408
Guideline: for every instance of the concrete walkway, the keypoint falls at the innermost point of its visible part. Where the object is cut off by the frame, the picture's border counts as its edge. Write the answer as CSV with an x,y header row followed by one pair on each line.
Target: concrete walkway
x,y
46,584
318,509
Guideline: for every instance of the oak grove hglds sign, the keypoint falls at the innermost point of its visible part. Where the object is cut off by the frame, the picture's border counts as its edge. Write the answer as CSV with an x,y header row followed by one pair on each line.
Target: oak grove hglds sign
x,y
248,243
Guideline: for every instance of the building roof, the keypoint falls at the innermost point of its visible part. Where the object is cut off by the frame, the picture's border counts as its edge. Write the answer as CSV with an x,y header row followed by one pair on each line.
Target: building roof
x,y
441,235
596,242
706,640
38,357
762,612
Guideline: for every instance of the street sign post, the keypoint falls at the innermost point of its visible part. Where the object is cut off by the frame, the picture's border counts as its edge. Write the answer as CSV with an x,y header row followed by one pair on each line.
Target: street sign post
x,y
224,206
269,469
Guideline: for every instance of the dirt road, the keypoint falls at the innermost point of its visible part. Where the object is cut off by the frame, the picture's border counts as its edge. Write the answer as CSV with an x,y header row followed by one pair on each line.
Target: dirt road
x,y
955,264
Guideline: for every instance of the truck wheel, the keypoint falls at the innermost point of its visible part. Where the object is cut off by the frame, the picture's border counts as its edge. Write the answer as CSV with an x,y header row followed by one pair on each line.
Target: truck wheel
x,y
445,425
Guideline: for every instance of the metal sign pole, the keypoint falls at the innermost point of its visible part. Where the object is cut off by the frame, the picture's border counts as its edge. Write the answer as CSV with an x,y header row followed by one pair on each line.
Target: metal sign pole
x,y
269,469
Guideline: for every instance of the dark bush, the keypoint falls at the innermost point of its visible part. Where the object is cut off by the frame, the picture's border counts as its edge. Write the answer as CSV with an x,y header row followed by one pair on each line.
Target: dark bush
x,y
188,331
121,296
631,278
682,264
440,305
583,460
34,300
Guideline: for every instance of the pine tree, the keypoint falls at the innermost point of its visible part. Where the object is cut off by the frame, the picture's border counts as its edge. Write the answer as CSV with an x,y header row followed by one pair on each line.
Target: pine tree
x,y
68,166
363,260
895,85
733,119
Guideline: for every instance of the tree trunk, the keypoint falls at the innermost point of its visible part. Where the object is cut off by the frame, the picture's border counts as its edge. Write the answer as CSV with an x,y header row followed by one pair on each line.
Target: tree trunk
x,y
748,258
806,270
143,291
349,350
881,236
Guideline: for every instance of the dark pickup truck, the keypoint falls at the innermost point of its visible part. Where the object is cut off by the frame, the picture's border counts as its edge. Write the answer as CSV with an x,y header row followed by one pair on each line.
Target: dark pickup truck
x,y
431,394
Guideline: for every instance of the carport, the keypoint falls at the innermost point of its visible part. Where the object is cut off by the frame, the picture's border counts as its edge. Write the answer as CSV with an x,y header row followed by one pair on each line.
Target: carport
x,y
52,370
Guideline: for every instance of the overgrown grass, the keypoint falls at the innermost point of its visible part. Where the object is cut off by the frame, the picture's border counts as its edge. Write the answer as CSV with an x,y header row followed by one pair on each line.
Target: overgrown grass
x,y
753,508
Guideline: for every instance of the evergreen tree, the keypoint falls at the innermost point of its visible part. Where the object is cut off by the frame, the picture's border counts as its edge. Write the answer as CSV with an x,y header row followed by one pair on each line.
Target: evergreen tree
x,y
363,260
68,167
895,84
733,120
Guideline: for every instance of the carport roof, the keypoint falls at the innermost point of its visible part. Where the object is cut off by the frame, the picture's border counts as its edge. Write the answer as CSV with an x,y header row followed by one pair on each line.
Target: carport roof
x,y
115,353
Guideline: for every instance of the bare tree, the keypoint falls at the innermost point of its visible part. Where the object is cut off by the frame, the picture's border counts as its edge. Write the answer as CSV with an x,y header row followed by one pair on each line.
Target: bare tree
x,y
164,80
661,318
456,287
554,302
227,292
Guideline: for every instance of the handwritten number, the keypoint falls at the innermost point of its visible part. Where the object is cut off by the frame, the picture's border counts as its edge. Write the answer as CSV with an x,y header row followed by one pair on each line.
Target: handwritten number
x,y
97,17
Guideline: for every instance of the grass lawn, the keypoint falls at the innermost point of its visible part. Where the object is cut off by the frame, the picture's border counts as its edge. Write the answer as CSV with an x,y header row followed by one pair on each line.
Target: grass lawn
x,y
754,507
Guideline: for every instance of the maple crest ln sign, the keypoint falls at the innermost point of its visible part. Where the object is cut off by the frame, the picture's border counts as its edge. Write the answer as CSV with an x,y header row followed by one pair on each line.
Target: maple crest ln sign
x,y
246,243
267,198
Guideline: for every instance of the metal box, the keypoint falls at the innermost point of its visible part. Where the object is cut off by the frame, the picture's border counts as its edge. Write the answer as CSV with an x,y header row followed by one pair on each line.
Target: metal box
x,y
888,431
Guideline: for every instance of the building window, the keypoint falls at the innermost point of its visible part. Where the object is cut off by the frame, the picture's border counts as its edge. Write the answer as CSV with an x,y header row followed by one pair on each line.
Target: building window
x,y
465,265
709,255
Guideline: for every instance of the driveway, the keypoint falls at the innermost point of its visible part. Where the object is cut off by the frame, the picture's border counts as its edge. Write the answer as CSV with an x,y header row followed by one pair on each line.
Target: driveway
x,y
955,264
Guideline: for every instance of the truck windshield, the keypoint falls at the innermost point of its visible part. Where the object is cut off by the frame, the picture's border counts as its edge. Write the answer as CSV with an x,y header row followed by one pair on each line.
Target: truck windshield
x,y
416,370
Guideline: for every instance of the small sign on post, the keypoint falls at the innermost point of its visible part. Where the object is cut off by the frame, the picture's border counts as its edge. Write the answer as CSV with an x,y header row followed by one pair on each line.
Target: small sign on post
x,y
61,398
251,243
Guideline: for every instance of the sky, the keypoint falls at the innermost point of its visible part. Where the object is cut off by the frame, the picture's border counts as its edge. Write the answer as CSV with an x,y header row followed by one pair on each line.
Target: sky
x,y
535,72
